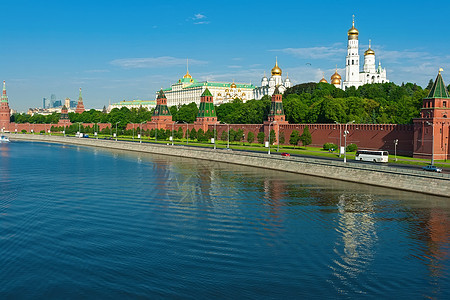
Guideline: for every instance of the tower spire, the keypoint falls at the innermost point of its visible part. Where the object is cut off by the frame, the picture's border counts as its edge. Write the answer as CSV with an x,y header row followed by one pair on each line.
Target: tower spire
x,y
4,97
353,22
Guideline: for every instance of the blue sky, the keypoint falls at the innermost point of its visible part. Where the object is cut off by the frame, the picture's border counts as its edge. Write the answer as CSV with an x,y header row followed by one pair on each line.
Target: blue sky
x,y
116,50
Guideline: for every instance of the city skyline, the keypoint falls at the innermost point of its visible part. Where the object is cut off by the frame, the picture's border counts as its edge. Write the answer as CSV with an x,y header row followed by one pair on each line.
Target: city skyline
x,y
116,52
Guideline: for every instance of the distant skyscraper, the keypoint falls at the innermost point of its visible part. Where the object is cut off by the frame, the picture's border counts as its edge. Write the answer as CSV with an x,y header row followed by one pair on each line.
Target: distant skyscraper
x,y
52,100
73,104
44,100
57,103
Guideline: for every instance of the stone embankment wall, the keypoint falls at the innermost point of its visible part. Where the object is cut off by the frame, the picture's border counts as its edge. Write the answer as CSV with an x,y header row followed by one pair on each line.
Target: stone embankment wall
x,y
376,175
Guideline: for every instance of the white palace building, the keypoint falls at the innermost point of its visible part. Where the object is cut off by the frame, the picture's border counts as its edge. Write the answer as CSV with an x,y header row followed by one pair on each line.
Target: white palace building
x,y
188,90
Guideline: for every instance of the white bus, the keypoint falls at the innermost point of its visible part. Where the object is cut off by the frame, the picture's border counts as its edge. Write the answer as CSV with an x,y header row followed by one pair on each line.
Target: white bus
x,y
372,155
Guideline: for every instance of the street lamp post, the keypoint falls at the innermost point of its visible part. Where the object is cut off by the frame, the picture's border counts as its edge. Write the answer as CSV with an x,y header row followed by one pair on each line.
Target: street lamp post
x,y
187,132
340,137
395,149
214,135
116,129
172,132
432,142
95,132
269,136
345,140
228,139
278,140
140,133
133,131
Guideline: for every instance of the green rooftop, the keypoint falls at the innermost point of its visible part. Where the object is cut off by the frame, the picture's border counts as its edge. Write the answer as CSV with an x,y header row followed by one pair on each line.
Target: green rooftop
x,y
438,90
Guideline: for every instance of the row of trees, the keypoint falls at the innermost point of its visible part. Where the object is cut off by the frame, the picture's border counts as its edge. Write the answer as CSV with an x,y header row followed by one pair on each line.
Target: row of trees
x,y
304,103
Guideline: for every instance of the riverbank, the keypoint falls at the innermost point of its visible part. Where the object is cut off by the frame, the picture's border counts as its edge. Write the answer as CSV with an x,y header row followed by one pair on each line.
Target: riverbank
x,y
376,175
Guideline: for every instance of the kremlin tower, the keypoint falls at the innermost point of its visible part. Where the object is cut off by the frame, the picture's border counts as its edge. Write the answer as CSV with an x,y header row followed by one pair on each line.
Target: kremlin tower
x,y
432,129
80,105
206,112
161,115
5,113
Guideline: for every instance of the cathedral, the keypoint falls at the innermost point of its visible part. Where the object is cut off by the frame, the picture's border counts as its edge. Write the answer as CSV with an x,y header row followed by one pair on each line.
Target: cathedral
x,y
354,76
268,86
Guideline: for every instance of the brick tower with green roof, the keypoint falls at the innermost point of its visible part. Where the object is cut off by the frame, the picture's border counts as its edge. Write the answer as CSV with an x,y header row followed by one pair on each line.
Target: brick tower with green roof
x,y
5,113
64,117
161,115
80,106
206,111
431,130
276,115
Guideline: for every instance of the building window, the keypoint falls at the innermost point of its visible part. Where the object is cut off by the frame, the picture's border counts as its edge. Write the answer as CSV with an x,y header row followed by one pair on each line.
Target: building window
x,y
444,104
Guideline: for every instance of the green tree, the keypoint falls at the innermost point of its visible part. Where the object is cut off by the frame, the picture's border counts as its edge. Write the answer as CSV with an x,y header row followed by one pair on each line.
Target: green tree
x,y
224,135
193,134
294,138
306,137
261,137
250,137
281,137
201,137
272,136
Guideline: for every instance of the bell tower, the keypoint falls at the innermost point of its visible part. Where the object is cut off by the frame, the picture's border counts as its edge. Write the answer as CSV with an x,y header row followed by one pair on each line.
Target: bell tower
x,y
352,59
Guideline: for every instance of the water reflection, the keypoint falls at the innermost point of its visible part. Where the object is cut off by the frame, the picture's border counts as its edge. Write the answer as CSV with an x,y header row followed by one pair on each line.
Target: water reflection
x,y
357,237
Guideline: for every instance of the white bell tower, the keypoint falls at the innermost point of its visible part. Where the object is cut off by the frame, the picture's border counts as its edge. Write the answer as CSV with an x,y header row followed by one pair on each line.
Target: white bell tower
x,y
352,59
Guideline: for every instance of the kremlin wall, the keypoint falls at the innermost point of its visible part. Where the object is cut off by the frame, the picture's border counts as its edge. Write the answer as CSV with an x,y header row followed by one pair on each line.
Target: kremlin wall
x,y
427,137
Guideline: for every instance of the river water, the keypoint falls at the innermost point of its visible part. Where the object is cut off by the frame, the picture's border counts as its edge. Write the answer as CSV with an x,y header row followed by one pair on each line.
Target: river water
x,y
79,222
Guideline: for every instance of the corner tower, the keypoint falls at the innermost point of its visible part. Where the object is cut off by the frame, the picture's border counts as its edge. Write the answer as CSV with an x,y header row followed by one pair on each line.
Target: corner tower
x,y
5,113
431,130
352,59
80,105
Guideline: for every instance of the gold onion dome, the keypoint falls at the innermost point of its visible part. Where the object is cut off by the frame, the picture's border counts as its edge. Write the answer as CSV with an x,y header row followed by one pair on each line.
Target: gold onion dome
x,y
336,78
353,32
233,85
369,52
276,70
323,80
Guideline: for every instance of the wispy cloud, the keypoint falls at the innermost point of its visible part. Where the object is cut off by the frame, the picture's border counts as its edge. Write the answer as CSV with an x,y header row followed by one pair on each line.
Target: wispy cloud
x,y
97,71
153,62
200,19
323,52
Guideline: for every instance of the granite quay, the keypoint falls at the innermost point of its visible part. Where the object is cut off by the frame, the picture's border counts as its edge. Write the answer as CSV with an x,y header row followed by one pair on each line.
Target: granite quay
x,y
375,175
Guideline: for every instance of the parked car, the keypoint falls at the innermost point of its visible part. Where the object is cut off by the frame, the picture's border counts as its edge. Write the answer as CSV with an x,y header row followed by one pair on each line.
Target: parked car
x,y
432,168
285,154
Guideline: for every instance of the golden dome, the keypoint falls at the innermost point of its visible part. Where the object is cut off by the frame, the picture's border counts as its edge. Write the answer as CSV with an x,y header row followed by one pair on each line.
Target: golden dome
x,y
276,70
336,76
187,75
233,85
353,32
323,80
335,81
369,52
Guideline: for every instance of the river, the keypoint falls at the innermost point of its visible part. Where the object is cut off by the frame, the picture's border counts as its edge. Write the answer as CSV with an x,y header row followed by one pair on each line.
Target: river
x,y
80,222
